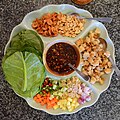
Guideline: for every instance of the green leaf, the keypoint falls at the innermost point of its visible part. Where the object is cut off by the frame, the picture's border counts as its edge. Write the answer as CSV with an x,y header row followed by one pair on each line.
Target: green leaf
x,y
26,40
12,50
24,73
29,38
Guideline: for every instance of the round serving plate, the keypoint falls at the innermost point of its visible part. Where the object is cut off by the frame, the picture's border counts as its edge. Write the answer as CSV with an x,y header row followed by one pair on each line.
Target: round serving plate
x,y
89,25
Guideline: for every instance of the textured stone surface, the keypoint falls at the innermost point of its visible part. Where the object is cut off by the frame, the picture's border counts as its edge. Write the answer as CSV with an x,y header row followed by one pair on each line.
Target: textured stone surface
x,y
13,107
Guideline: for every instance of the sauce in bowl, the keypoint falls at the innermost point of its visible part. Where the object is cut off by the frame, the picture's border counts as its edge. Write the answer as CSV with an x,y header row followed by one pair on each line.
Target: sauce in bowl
x,y
59,55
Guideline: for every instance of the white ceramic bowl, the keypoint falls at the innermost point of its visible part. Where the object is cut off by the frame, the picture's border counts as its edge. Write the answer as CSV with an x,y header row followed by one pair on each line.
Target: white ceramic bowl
x,y
45,52
89,25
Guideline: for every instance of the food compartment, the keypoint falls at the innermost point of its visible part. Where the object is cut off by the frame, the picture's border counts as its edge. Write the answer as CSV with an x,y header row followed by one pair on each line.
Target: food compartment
x,y
99,27
94,96
66,9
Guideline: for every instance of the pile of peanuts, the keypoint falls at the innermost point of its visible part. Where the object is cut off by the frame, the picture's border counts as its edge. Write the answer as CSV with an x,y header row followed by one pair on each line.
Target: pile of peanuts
x,y
52,24
70,26
95,59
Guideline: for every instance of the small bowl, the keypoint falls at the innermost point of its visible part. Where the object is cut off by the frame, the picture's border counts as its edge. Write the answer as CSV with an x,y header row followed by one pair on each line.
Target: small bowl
x,y
45,53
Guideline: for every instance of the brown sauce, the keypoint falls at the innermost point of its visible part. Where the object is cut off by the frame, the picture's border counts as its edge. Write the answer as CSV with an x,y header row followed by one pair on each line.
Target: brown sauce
x,y
59,55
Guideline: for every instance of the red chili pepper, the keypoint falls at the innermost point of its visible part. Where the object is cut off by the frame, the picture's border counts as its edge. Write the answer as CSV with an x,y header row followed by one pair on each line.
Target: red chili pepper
x,y
50,84
46,82
43,86
47,78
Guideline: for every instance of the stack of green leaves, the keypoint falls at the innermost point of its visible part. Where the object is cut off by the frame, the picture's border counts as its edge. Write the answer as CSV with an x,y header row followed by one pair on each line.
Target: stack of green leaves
x,y
22,63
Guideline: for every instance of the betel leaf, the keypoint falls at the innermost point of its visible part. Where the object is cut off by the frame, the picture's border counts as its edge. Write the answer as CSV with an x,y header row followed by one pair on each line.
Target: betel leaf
x,y
25,40
11,50
25,73
29,38
41,42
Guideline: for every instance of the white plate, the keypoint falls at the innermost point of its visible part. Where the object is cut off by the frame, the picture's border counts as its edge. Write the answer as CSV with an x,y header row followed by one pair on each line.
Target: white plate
x,y
89,25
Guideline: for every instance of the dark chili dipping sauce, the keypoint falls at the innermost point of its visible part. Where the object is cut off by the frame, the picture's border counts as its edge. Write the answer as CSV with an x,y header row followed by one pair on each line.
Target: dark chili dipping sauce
x,y
59,55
